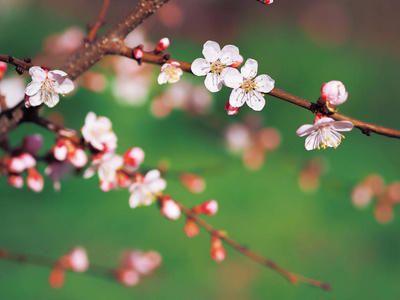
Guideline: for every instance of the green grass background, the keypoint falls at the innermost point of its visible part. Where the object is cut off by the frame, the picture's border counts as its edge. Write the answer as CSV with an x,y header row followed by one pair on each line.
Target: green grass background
x,y
320,234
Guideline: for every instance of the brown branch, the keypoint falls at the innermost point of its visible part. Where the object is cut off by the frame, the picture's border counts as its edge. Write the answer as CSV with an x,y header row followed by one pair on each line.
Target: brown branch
x,y
21,65
365,127
99,22
292,277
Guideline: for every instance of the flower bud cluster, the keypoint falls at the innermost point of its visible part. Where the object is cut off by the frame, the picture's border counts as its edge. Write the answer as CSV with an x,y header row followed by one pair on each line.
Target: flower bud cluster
x,y
209,208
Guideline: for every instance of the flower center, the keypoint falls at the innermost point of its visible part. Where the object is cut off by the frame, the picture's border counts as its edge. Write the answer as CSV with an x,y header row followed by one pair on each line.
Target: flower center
x,y
47,90
329,138
248,85
217,67
172,74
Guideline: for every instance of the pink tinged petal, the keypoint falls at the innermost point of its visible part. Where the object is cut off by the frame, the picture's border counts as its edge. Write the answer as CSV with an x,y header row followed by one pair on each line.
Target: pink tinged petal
x,y
211,51
106,186
38,74
90,118
213,83
162,78
60,152
35,181
305,129
255,101
134,186
89,172
342,125
237,98
151,175
324,121
64,86
232,78
104,123
36,99
16,165
52,100
229,54
96,144
200,67
56,74
116,161
264,83
312,141
249,70
28,160
170,210
33,87
78,159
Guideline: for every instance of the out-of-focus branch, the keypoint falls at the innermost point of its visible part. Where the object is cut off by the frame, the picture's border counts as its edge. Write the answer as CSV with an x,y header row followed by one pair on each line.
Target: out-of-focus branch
x,y
292,277
21,65
99,22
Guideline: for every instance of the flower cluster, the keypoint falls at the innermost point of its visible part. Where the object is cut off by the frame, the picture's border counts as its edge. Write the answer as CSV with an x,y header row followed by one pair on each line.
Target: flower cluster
x,y
208,208
218,65
135,264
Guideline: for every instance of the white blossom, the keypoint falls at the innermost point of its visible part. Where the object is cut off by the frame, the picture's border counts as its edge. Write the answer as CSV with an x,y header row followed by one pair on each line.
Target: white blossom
x,y
98,132
170,72
46,85
324,133
144,192
246,87
215,64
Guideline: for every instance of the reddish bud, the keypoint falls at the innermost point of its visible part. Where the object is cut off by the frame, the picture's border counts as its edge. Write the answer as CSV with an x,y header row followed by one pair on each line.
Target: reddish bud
x,y
128,277
16,165
16,181
134,156
57,277
76,260
3,69
123,180
231,110
218,252
28,160
138,53
106,186
169,208
191,228
210,207
34,180
237,63
193,182
163,43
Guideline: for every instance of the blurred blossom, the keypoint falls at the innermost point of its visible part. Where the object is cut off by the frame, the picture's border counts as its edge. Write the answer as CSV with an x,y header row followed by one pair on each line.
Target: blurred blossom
x,y
56,170
238,137
170,72
171,15
145,189
13,89
375,183
309,177
136,37
98,132
143,262
253,157
32,143
393,192
268,138
361,195
65,43
94,81
383,212
193,182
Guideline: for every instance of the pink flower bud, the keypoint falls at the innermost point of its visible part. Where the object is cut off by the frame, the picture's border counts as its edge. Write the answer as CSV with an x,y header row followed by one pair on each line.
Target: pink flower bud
x,y
16,181
60,151
76,260
35,180
134,156
28,160
57,277
237,63
231,110
210,207
163,43
16,165
3,69
191,228
128,277
144,263
33,143
78,158
169,208
138,53
218,252
193,182
334,92
106,186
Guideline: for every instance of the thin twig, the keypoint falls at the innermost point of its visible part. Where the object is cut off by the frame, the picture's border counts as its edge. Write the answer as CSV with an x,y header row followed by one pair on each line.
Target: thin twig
x,y
20,64
292,277
99,22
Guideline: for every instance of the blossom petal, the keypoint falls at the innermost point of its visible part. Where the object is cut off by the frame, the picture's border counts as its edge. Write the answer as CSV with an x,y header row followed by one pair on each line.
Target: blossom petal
x,y
64,86
52,100
213,83
305,129
36,99
229,54
33,87
162,78
256,101
89,172
211,51
249,70
151,175
264,83
37,74
312,141
342,125
157,185
232,78
136,198
200,67
237,97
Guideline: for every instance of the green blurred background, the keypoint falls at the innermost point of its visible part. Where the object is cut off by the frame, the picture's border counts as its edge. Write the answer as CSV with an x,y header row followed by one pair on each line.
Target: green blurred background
x,y
301,44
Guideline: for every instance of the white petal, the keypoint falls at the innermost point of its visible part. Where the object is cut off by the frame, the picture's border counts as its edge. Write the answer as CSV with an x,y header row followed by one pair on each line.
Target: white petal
x,y
116,161
36,99
264,83
200,67
229,54
90,118
232,78
54,99
305,129
89,172
33,87
157,185
255,101
56,74
151,175
134,186
136,198
38,74
213,83
211,51
249,70
312,141
162,78
237,98
64,86
342,125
